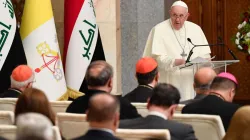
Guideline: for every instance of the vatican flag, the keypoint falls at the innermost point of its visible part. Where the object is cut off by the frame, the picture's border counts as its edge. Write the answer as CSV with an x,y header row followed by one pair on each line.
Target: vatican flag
x,y
41,47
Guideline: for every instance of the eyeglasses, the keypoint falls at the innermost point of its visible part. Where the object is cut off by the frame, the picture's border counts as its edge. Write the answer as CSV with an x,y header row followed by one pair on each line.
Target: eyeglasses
x,y
181,16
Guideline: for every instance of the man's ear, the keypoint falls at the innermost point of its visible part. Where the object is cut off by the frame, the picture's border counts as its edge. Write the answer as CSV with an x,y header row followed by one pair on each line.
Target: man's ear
x,y
110,82
136,77
171,111
188,14
29,85
148,104
117,120
232,93
157,77
87,112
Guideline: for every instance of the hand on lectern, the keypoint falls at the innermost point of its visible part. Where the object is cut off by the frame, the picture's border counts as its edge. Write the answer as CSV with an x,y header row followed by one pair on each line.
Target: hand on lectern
x,y
178,62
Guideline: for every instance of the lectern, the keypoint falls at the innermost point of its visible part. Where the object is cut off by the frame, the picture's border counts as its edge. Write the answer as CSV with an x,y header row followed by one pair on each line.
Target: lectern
x,y
198,63
195,65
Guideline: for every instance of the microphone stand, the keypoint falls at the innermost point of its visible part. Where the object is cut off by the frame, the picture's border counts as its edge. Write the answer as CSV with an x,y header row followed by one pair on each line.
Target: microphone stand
x,y
232,54
191,51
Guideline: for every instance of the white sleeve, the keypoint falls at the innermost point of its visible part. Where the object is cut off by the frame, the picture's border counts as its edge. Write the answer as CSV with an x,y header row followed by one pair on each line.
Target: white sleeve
x,y
165,63
206,55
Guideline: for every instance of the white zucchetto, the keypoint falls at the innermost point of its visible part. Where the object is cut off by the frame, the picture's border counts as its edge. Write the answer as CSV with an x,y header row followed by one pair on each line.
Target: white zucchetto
x,y
180,3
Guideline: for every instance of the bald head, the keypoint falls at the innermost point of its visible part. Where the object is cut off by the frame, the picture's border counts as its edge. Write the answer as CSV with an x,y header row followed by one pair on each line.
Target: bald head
x,y
203,78
102,108
99,73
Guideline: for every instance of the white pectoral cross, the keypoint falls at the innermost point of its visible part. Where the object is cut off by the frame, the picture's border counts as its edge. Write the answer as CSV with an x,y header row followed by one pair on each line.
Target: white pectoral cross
x,y
183,54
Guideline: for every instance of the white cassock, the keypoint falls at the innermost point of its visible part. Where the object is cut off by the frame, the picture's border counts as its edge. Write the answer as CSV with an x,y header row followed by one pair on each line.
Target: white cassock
x,y
166,44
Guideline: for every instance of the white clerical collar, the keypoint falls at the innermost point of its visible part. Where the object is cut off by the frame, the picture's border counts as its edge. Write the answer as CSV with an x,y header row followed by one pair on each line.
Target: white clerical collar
x,y
103,129
15,90
155,113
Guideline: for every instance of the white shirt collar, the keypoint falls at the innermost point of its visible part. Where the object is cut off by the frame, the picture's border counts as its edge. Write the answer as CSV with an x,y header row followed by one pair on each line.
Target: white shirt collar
x,y
103,129
155,113
15,90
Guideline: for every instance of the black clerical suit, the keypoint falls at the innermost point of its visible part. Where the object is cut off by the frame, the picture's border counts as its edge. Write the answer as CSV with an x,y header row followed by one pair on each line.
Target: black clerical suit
x,y
11,93
97,135
213,105
139,94
196,98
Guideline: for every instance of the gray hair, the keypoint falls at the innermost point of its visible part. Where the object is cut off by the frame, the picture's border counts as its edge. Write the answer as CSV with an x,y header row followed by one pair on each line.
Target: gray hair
x,y
18,84
34,125
98,73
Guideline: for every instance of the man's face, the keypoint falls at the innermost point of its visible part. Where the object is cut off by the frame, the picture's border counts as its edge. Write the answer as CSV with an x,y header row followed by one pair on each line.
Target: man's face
x,y
178,16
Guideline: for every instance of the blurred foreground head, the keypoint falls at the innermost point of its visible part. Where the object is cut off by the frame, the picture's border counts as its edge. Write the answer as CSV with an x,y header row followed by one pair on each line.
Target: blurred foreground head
x,y
33,126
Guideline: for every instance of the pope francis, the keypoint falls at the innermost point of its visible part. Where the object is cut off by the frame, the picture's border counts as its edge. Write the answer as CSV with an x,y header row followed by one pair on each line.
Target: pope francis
x,y
167,44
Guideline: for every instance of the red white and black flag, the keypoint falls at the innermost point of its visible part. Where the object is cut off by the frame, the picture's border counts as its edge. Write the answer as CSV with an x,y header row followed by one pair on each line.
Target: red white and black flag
x,y
82,43
11,48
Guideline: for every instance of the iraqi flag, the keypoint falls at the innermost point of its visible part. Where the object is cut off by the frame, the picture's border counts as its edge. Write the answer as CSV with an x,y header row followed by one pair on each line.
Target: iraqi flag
x,y
11,48
41,47
82,42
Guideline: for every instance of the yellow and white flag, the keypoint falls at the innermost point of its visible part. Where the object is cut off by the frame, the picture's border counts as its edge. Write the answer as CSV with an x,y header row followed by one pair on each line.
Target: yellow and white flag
x,y
41,47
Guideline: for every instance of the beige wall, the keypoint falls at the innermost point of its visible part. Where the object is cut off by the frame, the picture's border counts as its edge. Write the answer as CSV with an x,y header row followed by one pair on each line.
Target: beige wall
x,y
108,19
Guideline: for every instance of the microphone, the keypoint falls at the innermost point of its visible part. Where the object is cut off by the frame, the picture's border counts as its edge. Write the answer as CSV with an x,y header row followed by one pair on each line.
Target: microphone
x,y
189,40
191,51
232,54
229,50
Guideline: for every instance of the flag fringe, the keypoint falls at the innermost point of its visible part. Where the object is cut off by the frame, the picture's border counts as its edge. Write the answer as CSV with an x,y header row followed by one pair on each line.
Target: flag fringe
x,y
71,93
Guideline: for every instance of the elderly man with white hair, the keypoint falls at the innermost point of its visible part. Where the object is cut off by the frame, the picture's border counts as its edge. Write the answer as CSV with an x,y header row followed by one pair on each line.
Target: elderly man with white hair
x,y
33,126
167,43
22,77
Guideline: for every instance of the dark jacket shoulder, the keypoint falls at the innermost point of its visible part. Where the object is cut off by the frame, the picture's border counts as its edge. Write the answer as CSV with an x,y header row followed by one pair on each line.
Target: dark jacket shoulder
x,y
80,105
10,93
178,131
213,105
196,98
97,135
140,94
127,110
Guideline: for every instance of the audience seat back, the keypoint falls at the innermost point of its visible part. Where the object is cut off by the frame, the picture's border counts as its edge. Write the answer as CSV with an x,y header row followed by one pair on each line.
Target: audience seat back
x,y
141,108
179,108
206,127
9,132
6,117
56,133
143,111
142,134
59,106
72,125
8,104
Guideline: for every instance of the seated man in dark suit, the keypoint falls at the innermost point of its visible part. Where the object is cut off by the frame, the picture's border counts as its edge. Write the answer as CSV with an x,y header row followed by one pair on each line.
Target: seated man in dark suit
x,y
22,77
99,77
202,81
161,106
103,118
219,100
147,76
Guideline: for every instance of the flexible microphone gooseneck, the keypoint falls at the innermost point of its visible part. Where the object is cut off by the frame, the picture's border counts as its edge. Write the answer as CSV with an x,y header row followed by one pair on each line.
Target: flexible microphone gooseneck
x,y
191,51
228,49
